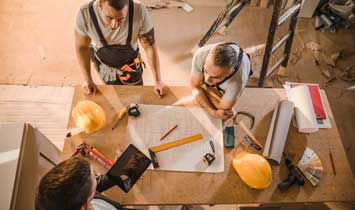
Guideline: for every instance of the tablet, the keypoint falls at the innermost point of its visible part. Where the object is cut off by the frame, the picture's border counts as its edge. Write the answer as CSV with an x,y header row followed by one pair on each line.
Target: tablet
x,y
128,168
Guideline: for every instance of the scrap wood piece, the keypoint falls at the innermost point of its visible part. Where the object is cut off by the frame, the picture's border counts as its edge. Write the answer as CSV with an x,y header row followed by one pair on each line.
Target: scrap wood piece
x,y
295,56
316,48
326,73
336,56
160,4
328,60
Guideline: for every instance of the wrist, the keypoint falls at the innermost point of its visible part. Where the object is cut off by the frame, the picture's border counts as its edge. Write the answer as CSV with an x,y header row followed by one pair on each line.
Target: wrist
x,y
212,112
157,82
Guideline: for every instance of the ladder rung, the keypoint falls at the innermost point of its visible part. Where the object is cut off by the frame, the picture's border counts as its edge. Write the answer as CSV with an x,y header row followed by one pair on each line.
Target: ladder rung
x,y
277,64
291,11
283,40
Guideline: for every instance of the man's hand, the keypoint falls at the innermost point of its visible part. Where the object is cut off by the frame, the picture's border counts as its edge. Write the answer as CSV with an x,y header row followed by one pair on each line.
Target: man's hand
x,y
159,89
89,88
223,114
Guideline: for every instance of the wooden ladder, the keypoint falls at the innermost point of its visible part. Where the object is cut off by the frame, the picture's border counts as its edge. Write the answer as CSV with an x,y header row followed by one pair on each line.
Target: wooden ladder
x,y
277,21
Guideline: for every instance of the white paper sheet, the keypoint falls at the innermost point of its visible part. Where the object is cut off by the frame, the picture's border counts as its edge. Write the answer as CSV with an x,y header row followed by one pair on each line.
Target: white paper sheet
x,y
155,120
321,123
278,131
305,115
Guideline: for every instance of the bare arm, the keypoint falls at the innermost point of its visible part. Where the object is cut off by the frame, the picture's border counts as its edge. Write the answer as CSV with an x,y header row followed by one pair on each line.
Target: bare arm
x,y
148,43
200,95
221,109
83,55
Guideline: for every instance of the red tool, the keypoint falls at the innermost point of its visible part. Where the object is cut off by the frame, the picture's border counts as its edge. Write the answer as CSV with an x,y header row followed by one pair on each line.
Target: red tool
x,y
89,151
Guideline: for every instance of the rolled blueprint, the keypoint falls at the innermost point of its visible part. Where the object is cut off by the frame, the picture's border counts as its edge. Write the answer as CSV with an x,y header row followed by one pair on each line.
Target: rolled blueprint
x,y
276,138
304,111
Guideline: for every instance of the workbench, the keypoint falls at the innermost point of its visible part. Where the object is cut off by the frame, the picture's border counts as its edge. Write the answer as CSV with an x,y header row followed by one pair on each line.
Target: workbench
x,y
162,187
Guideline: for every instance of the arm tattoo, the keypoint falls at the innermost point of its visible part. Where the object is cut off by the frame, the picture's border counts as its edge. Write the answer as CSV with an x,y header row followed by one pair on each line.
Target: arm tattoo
x,y
148,38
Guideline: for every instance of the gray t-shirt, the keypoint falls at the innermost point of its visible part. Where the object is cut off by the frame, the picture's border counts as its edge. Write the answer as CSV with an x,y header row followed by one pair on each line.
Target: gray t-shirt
x,y
235,85
142,24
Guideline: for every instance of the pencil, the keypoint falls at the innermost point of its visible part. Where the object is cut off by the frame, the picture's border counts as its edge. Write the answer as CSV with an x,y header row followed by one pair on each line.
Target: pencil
x,y
167,133
332,162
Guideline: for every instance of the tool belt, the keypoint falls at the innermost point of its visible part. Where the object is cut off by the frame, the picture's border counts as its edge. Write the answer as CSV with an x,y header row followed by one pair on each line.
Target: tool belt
x,y
131,74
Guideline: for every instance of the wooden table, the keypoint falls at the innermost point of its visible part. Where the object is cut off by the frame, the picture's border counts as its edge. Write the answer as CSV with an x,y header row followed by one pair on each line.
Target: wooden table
x,y
162,187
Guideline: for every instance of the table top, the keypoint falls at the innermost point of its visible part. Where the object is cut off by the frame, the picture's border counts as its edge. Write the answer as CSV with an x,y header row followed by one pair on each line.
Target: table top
x,y
164,187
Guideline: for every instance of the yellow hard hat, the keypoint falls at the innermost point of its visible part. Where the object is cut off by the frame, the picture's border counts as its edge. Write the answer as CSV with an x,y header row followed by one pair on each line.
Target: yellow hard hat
x,y
88,116
253,169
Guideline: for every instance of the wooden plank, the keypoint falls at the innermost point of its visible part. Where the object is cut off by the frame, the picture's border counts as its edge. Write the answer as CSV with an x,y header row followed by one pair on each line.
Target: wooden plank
x,y
46,108
226,187
264,3
254,3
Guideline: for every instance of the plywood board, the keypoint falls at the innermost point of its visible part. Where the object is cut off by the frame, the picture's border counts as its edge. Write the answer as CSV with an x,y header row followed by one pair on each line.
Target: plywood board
x,y
46,108
147,129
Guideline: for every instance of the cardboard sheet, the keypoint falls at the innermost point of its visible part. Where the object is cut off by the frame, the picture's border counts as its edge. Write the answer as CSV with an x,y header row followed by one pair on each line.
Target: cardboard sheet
x,y
155,120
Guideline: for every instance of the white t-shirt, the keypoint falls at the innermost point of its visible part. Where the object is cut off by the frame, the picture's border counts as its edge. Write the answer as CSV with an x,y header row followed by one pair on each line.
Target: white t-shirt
x,y
99,204
142,24
235,85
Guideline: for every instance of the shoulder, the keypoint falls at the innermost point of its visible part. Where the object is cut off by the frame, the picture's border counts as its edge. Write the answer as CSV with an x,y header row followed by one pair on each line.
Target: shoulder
x,y
202,52
84,8
139,7
83,13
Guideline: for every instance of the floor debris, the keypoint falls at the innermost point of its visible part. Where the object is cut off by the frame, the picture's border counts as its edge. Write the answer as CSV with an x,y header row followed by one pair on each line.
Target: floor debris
x,y
160,4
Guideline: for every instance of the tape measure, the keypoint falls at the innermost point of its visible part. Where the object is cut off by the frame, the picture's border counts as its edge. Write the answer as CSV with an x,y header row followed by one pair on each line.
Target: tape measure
x,y
133,110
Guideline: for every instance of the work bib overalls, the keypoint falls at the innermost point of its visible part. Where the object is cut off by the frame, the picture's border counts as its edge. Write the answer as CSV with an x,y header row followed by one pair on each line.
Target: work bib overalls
x,y
123,59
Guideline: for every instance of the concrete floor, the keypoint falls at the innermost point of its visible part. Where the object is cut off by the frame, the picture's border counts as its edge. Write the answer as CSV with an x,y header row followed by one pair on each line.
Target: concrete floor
x,y
37,48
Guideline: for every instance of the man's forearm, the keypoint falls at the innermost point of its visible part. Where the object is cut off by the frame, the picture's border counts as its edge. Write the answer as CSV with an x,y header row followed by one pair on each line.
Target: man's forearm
x,y
153,60
83,56
202,99
103,183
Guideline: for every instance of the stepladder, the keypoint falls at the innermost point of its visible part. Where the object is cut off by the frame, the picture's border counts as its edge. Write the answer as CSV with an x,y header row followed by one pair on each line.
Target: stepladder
x,y
276,21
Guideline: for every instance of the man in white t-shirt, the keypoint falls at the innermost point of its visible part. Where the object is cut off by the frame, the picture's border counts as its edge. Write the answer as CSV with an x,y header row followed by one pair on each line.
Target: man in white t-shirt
x,y
107,31
218,77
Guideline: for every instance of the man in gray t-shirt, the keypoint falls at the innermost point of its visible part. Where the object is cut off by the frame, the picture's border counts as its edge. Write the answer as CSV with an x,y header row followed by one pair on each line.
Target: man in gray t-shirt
x,y
107,31
218,77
